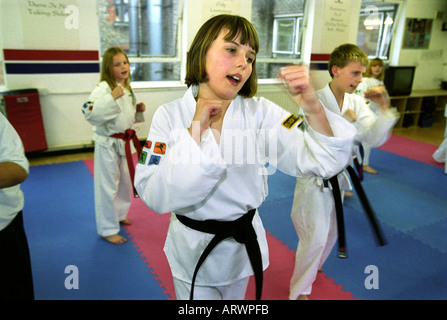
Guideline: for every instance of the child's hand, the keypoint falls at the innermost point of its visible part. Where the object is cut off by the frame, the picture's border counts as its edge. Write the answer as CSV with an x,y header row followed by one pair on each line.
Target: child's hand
x,y
141,107
117,93
206,109
350,115
380,96
297,80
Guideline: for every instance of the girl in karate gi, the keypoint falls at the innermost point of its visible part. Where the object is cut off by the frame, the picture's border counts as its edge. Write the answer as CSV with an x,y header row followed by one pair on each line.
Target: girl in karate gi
x,y
313,209
112,109
374,76
206,153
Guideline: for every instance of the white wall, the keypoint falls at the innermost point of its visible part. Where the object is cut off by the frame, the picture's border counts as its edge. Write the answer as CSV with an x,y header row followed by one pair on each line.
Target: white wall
x,y
431,63
62,95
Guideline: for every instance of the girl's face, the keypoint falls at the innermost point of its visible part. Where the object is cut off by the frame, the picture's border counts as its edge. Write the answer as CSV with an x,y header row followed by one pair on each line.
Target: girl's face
x,y
376,70
349,77
120,68
228,66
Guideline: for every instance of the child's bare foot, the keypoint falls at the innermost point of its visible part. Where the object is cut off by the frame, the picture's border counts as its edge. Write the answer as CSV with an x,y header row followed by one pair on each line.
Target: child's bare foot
x,y
126,221
369,170
302,297
115,239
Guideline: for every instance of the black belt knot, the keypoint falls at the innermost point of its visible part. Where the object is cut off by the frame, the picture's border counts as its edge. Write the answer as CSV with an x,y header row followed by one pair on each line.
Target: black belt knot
x,y
241,230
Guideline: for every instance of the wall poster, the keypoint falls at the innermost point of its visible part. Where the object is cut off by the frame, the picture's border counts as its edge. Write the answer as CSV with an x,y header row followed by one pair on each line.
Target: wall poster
x,y
417,33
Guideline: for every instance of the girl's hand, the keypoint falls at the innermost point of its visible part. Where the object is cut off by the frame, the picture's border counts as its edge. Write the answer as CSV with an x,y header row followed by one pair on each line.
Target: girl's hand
x,y
141,107
117,93
297,80
206,109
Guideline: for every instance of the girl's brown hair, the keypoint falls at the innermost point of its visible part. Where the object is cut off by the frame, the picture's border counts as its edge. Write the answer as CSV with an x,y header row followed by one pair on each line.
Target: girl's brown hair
x,y
210,30
375,62
107,68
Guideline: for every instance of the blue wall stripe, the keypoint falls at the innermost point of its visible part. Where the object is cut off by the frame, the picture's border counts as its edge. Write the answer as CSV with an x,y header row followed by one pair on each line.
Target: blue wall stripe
x,y
41,68
319,66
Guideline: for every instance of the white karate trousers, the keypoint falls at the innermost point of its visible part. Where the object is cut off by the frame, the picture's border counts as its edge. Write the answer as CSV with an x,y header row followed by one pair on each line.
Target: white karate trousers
x,y
440,154
113,189
314,218
232,291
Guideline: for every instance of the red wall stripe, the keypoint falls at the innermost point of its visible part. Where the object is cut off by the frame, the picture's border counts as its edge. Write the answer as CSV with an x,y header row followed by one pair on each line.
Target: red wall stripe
x,y
50,55
319,57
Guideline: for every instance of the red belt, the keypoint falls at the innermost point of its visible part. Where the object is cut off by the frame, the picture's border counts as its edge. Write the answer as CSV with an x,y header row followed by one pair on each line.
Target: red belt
x,y
128,135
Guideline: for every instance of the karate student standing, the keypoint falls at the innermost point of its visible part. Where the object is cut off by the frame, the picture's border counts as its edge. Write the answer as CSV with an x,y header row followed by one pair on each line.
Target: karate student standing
x,y
374,76
16,282
112,109
198,161
313,209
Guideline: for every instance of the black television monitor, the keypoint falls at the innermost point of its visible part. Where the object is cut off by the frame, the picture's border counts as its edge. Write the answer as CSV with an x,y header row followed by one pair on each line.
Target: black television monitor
x,y
399,80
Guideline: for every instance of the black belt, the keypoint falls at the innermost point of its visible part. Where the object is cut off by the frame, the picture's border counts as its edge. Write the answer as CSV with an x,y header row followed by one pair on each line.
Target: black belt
x,y
241,230
342,252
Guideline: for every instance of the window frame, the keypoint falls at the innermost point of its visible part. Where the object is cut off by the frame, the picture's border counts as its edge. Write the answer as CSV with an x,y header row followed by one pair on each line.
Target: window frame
x,y
384,11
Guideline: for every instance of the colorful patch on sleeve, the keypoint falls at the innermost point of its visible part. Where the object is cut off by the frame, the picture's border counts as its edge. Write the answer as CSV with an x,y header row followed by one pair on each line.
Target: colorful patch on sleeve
x,y
292,120
154,160
160,148
143,157
87,107
148,144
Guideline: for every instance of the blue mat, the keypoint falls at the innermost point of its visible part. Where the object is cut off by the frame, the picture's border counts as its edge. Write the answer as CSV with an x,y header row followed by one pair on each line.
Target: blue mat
x,y
409,199
60,224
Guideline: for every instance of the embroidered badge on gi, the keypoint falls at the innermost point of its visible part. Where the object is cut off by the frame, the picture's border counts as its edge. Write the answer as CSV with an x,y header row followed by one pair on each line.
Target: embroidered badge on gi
x,y
143,157
155,160
88,106
148,144
160,148
291,120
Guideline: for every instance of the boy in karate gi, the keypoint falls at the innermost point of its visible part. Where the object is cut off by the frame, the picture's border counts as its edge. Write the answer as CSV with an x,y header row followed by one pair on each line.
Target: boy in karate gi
x,y
313,209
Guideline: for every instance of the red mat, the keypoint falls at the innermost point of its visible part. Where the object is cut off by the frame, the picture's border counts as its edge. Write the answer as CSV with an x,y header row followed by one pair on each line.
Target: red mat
x,y
415,150
148,233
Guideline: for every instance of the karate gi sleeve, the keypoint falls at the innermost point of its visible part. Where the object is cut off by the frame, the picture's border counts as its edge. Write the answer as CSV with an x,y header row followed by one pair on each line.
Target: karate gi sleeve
x,y
301,151
100,106
173,171
12,149
374,130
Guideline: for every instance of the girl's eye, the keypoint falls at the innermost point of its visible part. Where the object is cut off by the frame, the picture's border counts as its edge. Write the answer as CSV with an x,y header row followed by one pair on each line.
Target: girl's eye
x,y
231,50
249,60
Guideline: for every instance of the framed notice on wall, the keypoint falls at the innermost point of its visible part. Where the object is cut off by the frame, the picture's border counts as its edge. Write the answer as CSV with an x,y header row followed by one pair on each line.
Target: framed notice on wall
x,y
417,33
46,24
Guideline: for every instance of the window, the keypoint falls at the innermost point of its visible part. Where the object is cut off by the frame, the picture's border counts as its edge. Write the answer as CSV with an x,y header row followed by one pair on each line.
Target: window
x,y
147,31
376,28
286,37
279,24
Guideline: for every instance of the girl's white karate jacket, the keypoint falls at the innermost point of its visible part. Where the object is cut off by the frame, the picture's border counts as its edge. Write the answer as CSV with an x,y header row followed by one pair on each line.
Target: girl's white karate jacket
x,y
110,116
223,181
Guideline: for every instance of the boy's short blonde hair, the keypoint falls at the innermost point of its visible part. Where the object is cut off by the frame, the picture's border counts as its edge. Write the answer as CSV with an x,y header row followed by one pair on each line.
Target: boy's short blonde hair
x,y
345,54
210,30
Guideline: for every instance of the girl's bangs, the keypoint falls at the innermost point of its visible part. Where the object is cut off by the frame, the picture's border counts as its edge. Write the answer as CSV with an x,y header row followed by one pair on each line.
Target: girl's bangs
x,y
247,32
